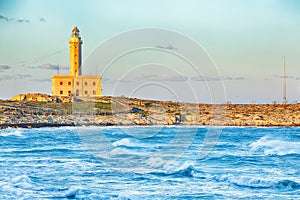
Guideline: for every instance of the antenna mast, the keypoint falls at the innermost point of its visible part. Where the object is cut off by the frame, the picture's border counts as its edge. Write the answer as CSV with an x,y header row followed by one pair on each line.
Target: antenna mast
x,y
284,82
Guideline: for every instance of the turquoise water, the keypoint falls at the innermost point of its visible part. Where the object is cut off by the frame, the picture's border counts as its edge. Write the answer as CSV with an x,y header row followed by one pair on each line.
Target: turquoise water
x,y
150,163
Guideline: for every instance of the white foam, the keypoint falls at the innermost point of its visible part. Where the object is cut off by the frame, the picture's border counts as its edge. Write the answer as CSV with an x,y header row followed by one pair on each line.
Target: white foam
x,y
72,192
128,195
271,146
184,169
124,142
11,132
155,162
11,191
253,182
22,181
19,187
246,181
119,151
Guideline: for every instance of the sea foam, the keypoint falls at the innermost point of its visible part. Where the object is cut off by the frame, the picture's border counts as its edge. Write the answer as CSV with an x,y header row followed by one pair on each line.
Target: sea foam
x,y
271,146
124,142
250,182
72,192
11,132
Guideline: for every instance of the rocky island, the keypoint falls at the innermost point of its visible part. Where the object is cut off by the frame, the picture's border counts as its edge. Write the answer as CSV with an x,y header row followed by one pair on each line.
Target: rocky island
x,y
39,110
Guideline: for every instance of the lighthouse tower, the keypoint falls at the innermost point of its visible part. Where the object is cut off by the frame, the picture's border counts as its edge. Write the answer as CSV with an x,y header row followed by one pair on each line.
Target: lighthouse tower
x,y
75,53
75,84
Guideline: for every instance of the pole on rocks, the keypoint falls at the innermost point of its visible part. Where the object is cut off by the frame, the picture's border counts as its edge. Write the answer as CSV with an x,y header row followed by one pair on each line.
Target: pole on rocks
x,y
284,82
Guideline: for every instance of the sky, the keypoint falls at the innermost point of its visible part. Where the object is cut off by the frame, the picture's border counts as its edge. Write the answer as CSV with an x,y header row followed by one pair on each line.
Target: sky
x,y
210,51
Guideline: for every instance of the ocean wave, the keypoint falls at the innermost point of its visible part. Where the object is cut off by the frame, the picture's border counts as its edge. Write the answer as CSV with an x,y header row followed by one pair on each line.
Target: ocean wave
x,y
8,191
250,182
43,150
119,151
132,143
11,132
185,170
22,181
72,192
271,146
19,187
124,142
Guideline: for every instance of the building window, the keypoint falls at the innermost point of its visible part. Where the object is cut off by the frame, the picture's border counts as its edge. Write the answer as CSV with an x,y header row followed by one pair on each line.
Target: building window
x,y
77,92
61,83
94,92
85,83
69,93
86,92
75,63
94,83
61,92
69,83
77,83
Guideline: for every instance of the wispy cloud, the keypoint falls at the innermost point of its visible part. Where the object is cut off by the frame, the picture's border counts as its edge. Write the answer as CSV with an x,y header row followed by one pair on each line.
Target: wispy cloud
x,y
4,67
162,77
288,77
44,66
165,77
42,19
20,20
3,18
177,78
167,47
50,67
222,78
239,78
14,76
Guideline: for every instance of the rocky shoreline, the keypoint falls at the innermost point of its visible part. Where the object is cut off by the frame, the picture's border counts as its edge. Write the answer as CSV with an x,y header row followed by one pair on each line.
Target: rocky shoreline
x,y
121,111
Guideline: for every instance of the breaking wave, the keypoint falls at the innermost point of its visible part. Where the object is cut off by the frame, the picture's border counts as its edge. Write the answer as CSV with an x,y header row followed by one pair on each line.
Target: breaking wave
x,y
72,192
250,182
11,132
19,187
271,146
186,170
124,142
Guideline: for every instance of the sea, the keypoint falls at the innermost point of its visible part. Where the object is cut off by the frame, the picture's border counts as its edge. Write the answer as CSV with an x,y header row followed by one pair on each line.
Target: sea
x,y
150,162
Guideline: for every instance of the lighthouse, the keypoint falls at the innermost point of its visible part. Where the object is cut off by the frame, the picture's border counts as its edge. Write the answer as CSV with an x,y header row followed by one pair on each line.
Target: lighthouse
x,y
75,53
75,84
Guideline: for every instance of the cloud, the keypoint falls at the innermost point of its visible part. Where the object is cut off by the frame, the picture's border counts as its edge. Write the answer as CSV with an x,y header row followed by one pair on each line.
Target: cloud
x,y
222,78
45,66
14,19
22,20
148,77
50,67
3,18
14,76
288,77
168,47
164,77
239,78
4,67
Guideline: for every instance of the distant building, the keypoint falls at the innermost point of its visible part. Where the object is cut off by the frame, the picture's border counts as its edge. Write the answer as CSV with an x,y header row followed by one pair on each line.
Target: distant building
x,y
75,84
